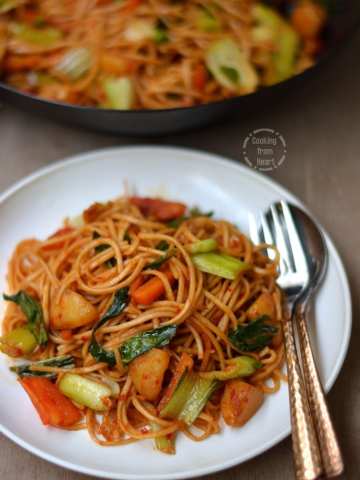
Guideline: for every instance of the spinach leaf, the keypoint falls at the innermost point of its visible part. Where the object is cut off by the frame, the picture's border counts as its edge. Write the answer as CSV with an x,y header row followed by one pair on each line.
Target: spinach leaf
x,y
33,312
101,248
64,361
121,299
254,336
143,342
156,264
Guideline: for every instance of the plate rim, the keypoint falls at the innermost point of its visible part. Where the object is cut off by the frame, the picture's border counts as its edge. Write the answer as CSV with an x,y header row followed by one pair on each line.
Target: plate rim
x,y
234,164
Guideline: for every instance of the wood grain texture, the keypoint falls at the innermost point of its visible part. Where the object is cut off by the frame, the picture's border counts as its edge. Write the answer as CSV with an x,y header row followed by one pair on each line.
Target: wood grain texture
x,y
320,123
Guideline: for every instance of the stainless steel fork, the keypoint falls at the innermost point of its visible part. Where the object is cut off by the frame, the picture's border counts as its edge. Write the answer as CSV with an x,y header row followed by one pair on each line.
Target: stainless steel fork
x,y
293,279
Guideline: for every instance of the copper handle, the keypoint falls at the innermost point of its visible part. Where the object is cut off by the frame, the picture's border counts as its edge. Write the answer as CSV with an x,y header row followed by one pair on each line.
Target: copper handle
x,y
307,457
330,450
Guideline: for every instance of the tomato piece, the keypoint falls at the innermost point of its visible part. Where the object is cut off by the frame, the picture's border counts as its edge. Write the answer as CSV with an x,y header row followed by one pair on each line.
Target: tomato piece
x,y
162,210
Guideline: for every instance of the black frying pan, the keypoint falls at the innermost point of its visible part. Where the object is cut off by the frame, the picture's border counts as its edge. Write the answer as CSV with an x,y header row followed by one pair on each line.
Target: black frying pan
x,y
344,17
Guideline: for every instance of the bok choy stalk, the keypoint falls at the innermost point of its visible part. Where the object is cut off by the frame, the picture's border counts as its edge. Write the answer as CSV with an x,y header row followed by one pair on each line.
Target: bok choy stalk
x,y
74,64
26,370
166,443
218,264
33,312
189,398
203,246
86,392
202,390
18,342
120,93
242,366
38,36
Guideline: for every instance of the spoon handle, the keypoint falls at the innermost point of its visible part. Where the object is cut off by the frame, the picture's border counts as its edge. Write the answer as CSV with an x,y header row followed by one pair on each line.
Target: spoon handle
x,y
330,450
307,459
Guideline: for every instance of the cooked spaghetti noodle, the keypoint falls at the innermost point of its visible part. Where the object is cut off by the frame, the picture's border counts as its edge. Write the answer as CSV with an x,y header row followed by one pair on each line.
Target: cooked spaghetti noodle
x,y
137,264
154,54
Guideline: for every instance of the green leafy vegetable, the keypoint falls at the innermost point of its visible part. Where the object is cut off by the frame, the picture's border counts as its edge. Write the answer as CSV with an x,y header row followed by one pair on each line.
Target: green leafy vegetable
x,y
7,5
101,248
64,361
121,299
161,32
156,264
254,336
163,246
33,312
143,342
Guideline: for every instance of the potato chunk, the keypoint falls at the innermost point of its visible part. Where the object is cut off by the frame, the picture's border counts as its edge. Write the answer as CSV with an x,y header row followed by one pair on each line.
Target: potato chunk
x,y
147,372
240,402
73,311
263,305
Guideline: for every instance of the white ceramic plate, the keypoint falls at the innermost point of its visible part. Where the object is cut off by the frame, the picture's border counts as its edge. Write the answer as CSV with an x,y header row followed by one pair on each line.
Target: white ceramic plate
x,y
37,205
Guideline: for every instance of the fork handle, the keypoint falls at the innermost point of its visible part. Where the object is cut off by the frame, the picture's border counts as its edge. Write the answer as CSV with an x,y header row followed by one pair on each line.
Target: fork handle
x,y
307,457
330,450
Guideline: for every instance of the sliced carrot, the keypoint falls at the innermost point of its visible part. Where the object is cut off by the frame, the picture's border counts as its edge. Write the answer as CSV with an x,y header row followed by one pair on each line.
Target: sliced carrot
x,y
199,77
52,406
59,233
152,290
185,364
19,63
308,18
114,64
162,210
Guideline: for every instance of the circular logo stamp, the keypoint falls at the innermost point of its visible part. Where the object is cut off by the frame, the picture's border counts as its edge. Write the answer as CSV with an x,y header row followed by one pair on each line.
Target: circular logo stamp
x,y
264,149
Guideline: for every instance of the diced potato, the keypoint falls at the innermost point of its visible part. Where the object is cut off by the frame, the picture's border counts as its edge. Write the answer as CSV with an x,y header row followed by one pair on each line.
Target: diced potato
x,y
264,305
73,311
147,372
240,402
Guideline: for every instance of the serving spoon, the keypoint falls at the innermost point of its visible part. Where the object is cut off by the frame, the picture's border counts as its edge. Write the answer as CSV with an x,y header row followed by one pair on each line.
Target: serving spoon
x,y
316,252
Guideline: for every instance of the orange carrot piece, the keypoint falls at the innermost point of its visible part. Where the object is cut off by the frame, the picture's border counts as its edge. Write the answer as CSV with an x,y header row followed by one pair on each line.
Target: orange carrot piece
x,y
162,210
130,6
308,18
185,364
52,406
199,77
152,290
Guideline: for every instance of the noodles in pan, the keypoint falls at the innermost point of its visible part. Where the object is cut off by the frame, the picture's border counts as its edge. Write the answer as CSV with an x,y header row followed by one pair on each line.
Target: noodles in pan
x,y
142,319
155,54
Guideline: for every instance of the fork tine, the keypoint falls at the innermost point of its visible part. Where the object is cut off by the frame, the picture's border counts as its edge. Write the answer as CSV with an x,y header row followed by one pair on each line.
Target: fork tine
x,y
280,238
268,236
294,239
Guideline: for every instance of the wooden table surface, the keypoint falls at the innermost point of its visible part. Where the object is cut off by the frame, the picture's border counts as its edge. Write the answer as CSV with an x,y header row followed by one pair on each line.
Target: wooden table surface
x,y
320,124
